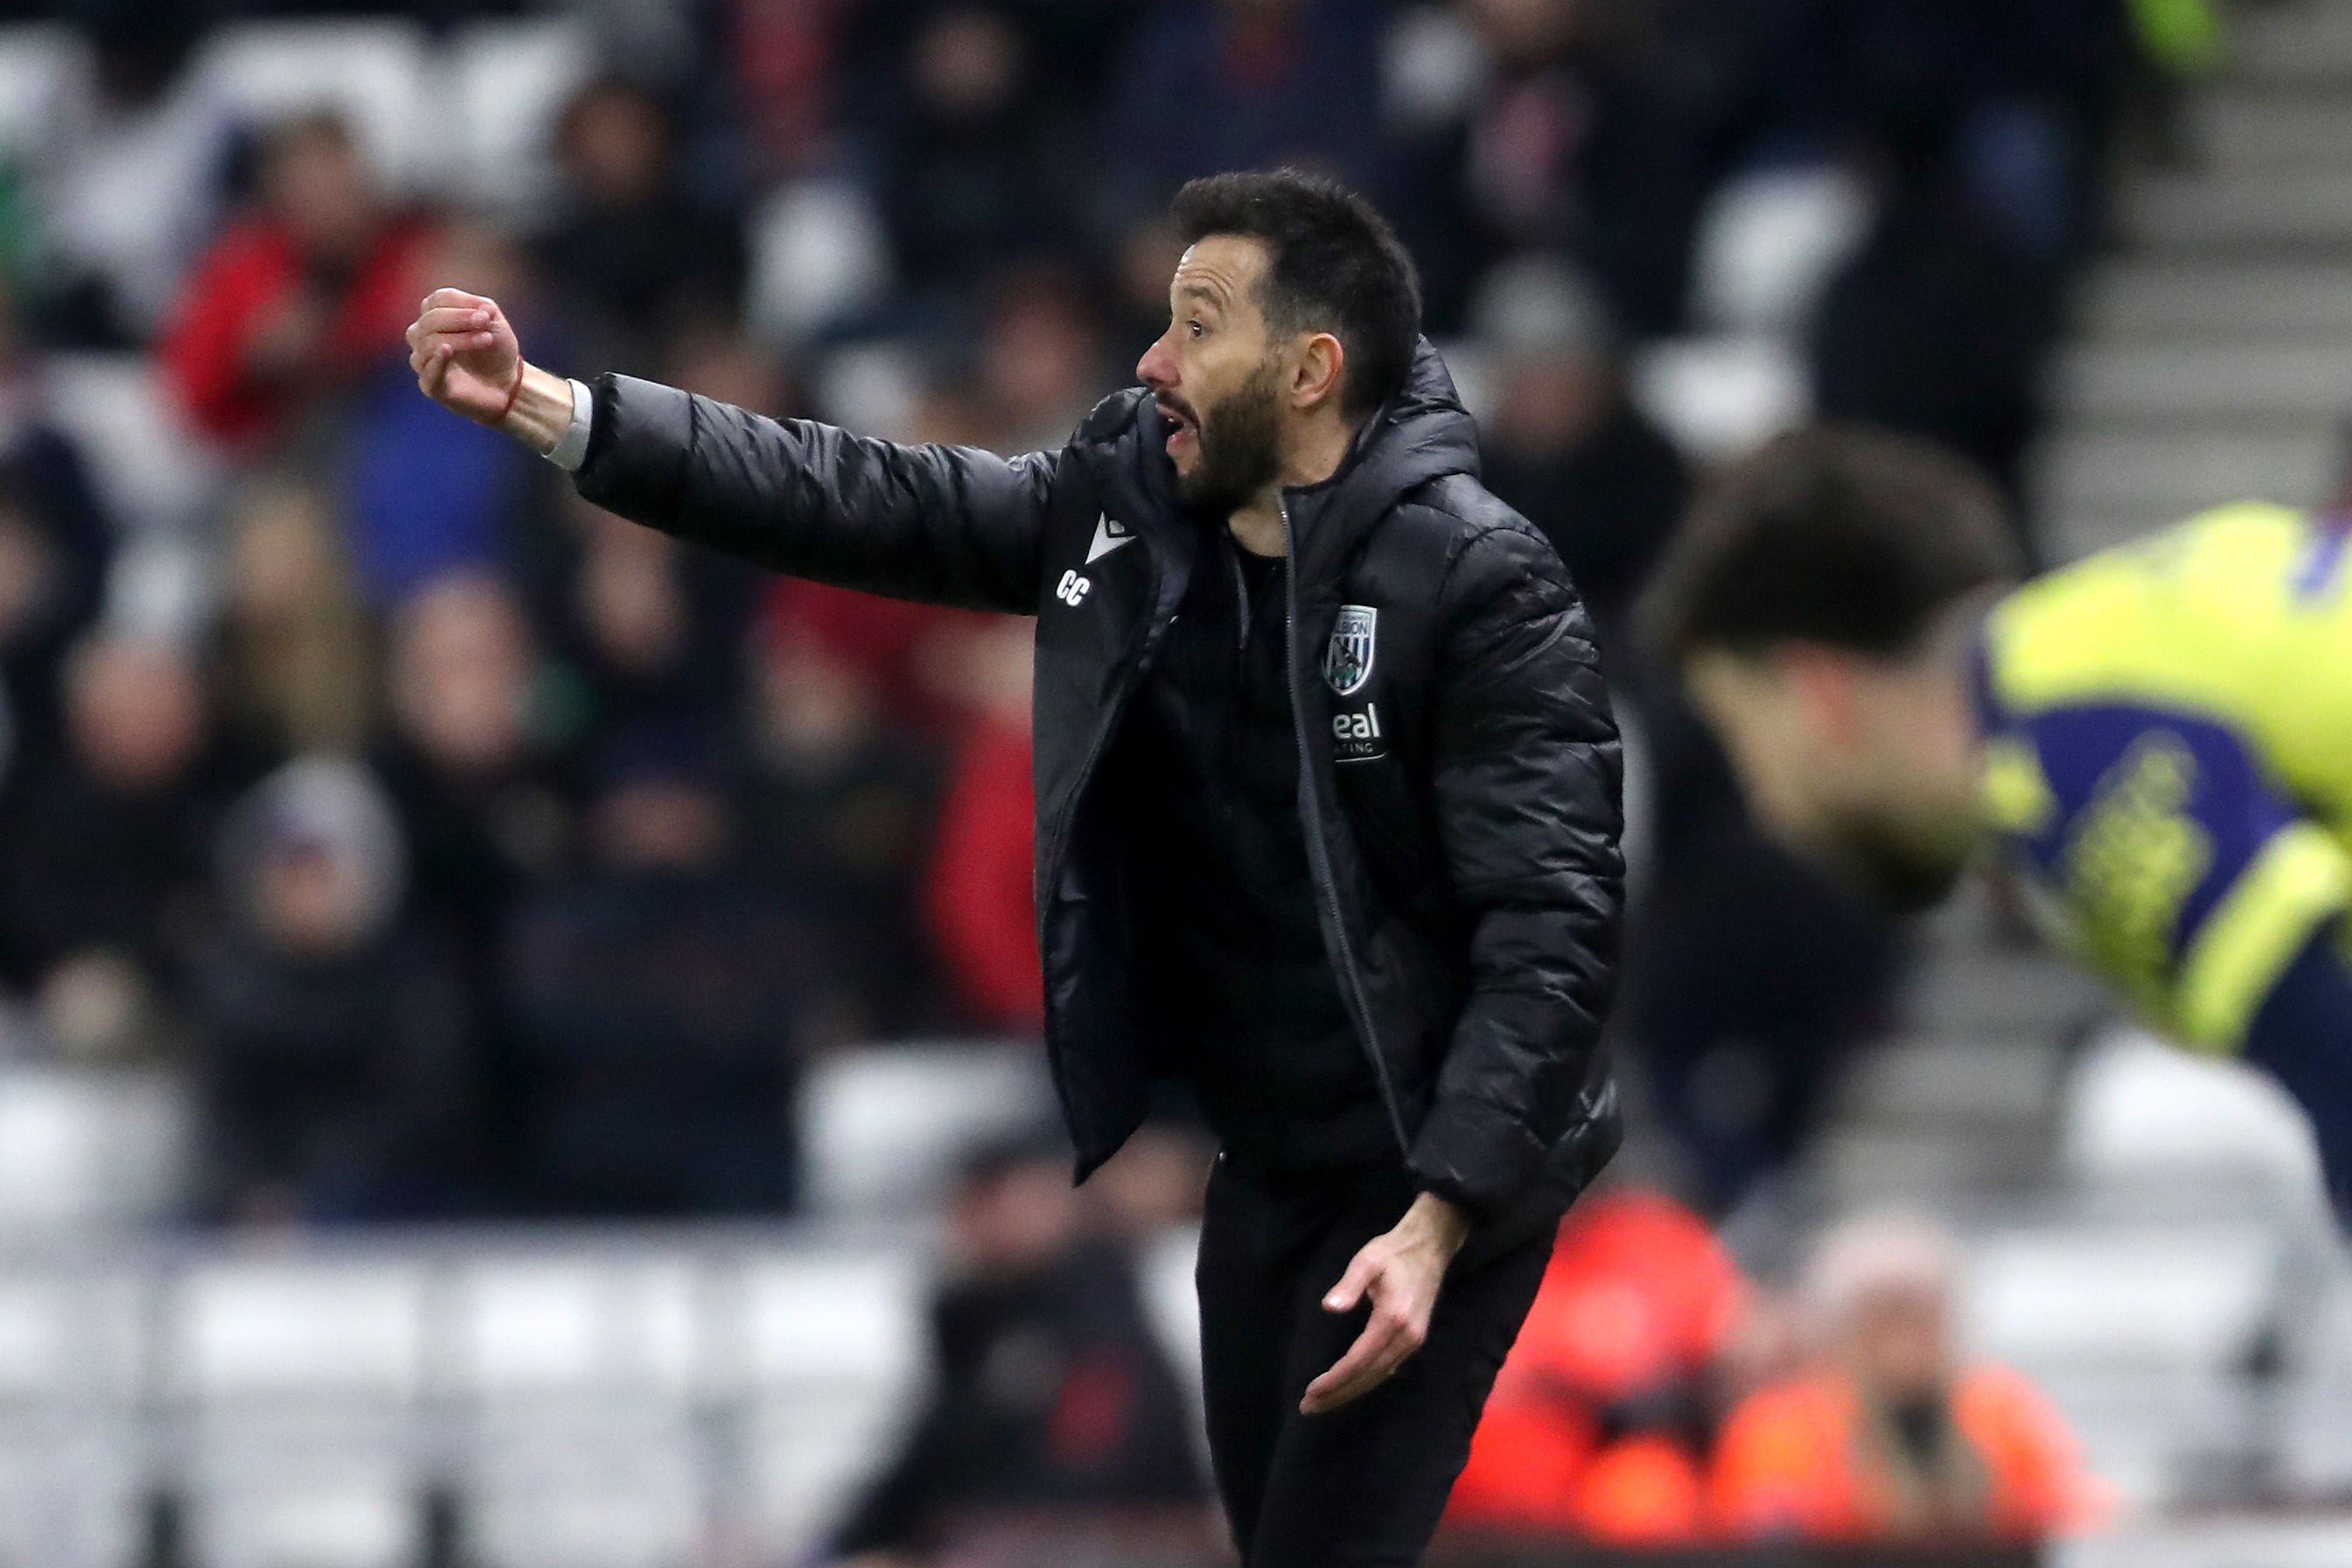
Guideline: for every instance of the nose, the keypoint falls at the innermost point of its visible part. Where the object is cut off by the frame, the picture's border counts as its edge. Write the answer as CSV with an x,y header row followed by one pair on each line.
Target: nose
x,y
1157,369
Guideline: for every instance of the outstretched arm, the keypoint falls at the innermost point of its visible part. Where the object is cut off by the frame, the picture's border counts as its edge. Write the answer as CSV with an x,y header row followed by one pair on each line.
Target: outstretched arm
x,y
947,525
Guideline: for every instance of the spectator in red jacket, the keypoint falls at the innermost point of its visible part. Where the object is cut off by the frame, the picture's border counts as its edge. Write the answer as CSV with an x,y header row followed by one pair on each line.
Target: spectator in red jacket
x,y
982,907
300,297
1596,1428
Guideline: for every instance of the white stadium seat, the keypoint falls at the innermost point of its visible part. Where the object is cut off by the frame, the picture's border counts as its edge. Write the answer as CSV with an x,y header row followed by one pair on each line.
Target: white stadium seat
x,y
80,1148
534,1329
376,72
508,81
271,1331
39,63
883,1128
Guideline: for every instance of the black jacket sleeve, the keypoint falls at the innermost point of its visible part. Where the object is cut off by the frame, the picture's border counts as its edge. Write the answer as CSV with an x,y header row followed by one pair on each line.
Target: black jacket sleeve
x,y
947,525
1528,785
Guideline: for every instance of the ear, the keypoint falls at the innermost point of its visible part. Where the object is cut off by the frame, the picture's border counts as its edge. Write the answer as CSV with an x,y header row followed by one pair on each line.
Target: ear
x,y
1320,373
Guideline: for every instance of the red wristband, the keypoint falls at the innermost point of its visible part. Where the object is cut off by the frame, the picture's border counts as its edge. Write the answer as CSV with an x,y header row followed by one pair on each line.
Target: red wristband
x,y
513,393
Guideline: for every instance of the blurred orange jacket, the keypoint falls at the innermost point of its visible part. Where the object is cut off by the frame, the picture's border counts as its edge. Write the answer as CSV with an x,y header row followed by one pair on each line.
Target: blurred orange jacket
x,y
1639,1296
1804,1458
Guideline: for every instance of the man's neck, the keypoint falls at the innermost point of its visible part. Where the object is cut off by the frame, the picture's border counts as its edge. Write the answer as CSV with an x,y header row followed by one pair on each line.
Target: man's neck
x,y
1312,455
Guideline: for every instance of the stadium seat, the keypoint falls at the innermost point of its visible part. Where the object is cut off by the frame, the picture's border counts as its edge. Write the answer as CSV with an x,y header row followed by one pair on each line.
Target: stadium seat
x,y
81,1148
882,1128
288,1506
69,1342
69,1492
835,1349
589,1325
617,1489
2169,1295
818,255
1720,396
2140,1111
508,81
377,72
38,63
150,473
265,1332
1768,243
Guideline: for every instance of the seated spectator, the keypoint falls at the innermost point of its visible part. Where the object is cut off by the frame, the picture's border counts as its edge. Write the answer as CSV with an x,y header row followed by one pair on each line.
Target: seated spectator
x,y
127,174
332,1039
55,548
1586,139
840,803
659,1000
1598,1428
648,626
1243,84
629,257
298,660
476,781
1048,1391
1565,447
424,495
1890,1439
301,299
103,859
1041,366
1939,324
978,168
983,899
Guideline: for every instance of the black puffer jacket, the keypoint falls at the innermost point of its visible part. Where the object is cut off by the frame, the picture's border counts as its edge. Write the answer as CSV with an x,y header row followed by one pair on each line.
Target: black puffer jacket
x,y
1460,780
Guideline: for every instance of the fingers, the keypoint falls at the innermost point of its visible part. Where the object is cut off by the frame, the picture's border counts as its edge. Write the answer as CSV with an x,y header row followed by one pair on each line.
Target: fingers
x,y
1362,1270
1389,1337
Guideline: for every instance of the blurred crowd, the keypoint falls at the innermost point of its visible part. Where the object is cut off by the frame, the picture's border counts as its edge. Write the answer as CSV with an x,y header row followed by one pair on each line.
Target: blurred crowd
x,y
478,853
1657,1400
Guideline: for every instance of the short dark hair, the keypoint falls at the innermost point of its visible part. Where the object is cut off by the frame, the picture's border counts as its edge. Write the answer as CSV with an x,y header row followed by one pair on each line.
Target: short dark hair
x,y
1334,265
1841,535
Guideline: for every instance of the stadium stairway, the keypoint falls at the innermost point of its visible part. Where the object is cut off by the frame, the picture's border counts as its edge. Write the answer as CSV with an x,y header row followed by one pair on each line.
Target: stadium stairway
x,y
2213,355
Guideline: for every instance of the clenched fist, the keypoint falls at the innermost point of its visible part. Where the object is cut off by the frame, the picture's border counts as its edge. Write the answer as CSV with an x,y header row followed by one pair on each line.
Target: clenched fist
x,y
467,359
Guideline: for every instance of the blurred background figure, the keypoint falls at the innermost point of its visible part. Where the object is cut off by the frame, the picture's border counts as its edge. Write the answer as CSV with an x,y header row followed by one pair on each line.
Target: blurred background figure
x,y
300,299
1603,1421
1567,447
331,1035
297,655
631,256
105,860
1892,1437
1048,1391
662,1002
56,543
839,803
981,901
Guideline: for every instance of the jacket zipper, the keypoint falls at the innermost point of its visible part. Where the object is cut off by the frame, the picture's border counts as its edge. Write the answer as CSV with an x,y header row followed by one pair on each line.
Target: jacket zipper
x,y
1318,853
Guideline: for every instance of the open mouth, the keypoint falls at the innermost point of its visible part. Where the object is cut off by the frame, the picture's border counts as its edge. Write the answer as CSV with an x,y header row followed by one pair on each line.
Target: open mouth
x,y
1181,426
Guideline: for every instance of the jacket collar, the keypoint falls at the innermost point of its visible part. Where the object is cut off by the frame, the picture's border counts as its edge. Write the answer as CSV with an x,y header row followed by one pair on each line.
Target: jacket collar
x,y
1421,433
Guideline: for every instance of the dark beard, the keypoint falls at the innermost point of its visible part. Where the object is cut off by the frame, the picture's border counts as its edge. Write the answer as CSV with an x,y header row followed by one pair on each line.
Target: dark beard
x,y
1897,870
1241,448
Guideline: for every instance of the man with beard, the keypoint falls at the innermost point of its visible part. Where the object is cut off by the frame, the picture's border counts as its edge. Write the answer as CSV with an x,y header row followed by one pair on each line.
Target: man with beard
x,y
2154,734
1328,807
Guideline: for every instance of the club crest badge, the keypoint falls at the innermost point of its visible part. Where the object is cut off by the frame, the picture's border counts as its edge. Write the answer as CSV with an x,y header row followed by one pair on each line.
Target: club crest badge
x,y
1348,662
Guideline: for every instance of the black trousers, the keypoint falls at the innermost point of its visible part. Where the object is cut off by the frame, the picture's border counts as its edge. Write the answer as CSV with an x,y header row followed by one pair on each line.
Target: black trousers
x,y
1364,1485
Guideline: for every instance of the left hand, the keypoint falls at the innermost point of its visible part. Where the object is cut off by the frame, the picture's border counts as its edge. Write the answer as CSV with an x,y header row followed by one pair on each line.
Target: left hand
x,y
1400,1272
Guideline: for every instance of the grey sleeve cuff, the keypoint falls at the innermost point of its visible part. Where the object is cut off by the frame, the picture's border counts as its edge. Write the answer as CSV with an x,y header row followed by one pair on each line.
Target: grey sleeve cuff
x,y
573,449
